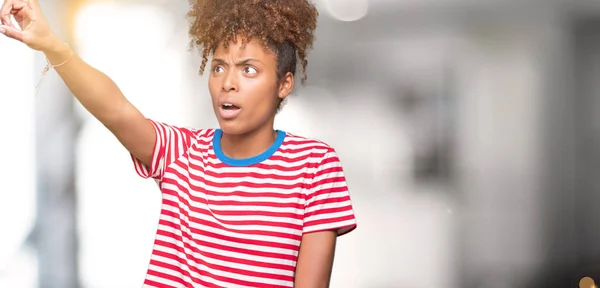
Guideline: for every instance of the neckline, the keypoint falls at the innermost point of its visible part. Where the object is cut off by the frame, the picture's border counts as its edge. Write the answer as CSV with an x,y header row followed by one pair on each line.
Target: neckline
x,y
239,162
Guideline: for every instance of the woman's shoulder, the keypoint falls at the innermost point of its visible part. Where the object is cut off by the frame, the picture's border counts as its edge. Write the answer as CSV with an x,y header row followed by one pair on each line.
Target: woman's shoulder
x,y
303,144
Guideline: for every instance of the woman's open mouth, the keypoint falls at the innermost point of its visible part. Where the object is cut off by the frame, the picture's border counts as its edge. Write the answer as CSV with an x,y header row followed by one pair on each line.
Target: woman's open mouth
x,y
229,111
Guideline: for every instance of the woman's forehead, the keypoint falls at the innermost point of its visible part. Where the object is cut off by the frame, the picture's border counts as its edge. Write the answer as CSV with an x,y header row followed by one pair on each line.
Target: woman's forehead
x,y
240,48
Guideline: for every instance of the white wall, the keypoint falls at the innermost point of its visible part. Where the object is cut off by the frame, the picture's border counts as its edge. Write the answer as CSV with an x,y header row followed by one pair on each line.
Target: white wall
x,y
500,83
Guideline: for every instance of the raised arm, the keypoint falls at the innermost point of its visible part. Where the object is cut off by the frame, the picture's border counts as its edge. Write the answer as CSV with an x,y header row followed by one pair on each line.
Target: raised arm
x,y
96,91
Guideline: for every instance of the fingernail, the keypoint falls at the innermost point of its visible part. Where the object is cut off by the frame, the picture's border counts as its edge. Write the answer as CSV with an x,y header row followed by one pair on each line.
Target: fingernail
x,y
2,30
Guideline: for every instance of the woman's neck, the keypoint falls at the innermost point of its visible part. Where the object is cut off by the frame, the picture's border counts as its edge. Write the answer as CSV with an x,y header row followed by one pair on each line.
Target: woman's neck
x,y
249,144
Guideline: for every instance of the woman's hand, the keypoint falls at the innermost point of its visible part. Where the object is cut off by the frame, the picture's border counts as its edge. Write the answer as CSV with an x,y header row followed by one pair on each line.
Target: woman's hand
x,y
33,28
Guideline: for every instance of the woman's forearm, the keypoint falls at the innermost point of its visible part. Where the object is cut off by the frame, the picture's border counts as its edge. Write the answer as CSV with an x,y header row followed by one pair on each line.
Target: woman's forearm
x,y
104,100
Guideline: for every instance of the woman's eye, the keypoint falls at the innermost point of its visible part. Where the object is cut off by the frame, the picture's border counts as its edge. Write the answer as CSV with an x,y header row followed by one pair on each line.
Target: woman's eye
x,y
250,70
218,69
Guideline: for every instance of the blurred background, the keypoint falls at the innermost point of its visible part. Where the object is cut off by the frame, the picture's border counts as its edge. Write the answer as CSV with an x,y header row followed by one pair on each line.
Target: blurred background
x,y
469,131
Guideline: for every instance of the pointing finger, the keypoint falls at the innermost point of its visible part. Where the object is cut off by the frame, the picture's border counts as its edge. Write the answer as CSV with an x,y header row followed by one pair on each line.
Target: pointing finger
x,y
11,7
7,6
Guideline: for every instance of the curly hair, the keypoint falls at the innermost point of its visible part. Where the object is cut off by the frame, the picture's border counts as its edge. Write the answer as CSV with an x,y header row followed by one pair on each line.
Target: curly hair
x,y
286,27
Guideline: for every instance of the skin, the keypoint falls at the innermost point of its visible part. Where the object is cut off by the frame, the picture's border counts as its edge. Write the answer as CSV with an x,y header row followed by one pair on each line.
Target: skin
x,y
250,84
315,260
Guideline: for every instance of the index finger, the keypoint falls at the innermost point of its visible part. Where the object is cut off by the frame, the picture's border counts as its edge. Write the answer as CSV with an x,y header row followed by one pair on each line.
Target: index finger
x,y
7,7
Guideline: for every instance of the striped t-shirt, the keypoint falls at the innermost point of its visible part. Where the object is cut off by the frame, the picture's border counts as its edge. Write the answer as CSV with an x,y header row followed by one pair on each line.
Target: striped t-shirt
x,y
230,222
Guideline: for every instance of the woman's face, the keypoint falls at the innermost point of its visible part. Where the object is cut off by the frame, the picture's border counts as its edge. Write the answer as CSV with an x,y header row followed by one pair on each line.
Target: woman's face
x,y
244,88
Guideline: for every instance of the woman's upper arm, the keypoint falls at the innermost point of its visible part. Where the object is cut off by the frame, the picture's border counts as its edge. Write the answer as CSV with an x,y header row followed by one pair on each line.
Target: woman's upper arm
x,y
328,213
315,260
136,133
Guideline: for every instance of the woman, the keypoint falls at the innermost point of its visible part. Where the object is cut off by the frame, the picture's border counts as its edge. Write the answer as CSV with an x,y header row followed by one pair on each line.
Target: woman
x,y
243,205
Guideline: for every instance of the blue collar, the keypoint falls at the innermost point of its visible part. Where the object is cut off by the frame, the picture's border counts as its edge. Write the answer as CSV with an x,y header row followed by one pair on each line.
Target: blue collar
x,y
245,161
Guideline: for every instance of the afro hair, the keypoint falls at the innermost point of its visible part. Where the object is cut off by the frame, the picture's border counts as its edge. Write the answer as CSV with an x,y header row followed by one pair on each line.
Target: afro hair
x,y
286,27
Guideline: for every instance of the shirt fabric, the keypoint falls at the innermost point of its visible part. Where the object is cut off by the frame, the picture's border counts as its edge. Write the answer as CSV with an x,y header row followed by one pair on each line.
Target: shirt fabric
x,y
228,222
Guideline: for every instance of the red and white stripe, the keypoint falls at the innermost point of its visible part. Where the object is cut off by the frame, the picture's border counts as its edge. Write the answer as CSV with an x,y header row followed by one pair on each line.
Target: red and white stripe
x,y
224,226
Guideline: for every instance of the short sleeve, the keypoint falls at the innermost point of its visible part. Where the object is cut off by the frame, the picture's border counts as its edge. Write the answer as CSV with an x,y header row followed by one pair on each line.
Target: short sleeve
x,y
328,205
171,142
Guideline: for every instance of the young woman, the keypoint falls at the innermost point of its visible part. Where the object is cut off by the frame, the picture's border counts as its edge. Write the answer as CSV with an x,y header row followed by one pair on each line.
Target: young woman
x,y
244,205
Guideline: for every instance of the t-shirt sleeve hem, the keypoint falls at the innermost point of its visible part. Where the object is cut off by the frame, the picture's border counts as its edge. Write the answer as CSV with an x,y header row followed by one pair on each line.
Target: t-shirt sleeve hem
x,y
142,169
341,229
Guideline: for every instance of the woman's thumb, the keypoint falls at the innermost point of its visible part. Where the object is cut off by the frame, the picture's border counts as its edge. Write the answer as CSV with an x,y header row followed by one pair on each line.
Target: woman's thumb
x,y
11,32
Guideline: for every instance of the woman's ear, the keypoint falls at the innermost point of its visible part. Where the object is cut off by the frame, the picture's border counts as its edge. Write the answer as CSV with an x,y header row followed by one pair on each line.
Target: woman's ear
x,y
286,85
